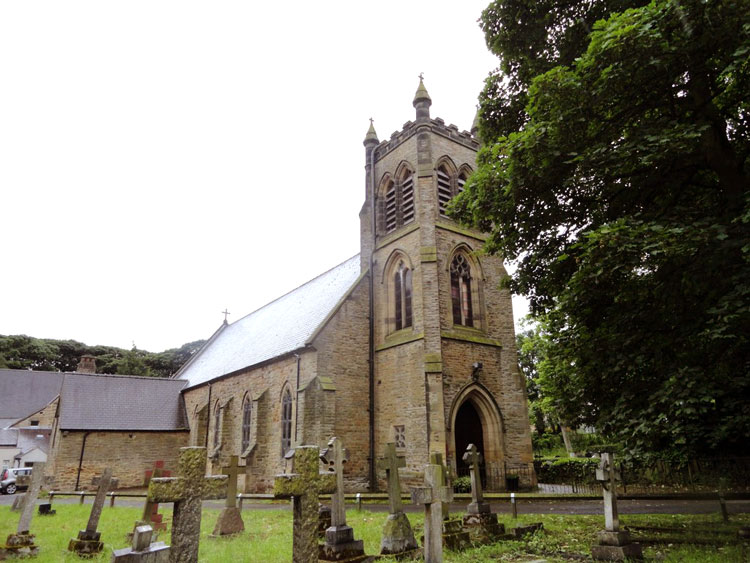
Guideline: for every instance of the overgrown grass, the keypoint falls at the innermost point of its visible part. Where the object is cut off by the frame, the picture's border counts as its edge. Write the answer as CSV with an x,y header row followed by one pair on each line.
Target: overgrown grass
x,y
268,535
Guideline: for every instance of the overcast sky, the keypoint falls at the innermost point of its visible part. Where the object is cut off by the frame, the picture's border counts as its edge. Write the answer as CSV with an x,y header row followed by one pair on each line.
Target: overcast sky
x,y
162,161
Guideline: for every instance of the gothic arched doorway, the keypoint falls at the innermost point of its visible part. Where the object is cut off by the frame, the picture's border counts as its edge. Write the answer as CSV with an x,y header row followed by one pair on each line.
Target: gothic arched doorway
x,y
468,430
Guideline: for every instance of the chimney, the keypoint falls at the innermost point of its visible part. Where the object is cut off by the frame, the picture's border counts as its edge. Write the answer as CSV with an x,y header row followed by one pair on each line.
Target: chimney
x,y
87,364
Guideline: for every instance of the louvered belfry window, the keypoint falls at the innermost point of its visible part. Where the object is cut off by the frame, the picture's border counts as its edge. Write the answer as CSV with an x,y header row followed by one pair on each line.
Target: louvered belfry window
x,y
445,191
461,291
246,418
398,202
390,207
407,199
286,422
402,296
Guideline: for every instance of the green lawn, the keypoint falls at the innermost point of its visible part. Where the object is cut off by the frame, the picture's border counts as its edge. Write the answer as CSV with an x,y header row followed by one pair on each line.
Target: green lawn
x,y
268,536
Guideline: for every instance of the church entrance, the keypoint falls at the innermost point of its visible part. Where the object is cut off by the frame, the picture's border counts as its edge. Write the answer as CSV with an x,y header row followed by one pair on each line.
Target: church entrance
x,y
468,430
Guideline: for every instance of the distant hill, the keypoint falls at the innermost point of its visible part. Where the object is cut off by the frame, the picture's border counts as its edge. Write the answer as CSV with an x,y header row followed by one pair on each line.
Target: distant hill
x,y
45,354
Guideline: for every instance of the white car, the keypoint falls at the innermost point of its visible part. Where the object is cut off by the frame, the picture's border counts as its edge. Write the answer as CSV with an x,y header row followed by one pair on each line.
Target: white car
x,y
14,478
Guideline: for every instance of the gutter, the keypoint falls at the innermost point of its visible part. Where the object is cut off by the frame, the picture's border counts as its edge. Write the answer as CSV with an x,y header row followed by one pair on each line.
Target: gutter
x,y
80,459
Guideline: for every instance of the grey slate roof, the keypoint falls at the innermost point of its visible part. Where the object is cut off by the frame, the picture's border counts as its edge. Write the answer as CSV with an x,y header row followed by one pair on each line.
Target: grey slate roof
x,y
32,437
8,437
121,402
23,392
282,326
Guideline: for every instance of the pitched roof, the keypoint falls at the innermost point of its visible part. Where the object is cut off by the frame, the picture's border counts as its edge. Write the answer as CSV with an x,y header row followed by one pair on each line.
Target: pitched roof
x,y
24,392
8,437
280,327
31,437
121,402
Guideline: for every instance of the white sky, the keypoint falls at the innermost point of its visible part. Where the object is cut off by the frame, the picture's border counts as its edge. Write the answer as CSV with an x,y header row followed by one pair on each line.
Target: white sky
x,y
160,161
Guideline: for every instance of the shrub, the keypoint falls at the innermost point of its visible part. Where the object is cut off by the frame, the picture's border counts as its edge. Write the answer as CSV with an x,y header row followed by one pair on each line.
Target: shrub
x,y
546,442
567,470
462,484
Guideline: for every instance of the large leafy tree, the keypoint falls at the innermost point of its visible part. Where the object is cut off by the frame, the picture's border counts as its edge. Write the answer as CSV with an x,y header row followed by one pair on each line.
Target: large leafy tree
x,y
615,172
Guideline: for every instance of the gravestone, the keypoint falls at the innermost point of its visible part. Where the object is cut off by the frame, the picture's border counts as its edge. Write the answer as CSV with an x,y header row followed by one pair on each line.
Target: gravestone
x,y
614,544
45,509
21,544
18,503
454,535
88,541
340,544
432,496
479,519
187,491
324,519
398,537
304,486
151,514
142,550
230,518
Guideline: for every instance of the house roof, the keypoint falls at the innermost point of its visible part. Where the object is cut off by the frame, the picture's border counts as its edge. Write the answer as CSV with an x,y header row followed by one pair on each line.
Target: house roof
x,y
23,392
121,402
8,437
32,437
278,328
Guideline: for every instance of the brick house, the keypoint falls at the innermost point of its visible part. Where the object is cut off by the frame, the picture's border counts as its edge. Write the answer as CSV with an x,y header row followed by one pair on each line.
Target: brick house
x,y
411,341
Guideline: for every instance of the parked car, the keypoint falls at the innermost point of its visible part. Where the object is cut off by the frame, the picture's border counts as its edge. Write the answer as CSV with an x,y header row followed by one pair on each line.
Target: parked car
x,y
14,478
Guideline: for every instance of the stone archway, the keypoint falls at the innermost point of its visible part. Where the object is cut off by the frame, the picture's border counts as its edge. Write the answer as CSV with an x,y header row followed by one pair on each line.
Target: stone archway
x,y
476,419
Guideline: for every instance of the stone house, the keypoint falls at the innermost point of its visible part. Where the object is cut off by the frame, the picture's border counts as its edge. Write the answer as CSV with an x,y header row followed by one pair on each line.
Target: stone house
x,y
411,341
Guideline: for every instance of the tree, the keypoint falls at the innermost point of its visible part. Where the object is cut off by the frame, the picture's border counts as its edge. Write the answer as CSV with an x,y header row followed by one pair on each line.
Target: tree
x,y
621,190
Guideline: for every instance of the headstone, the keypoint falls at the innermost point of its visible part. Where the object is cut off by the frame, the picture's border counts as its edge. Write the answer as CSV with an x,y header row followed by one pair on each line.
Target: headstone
x,y
18,503
21,544
304,486
230,518
45,509
142,550
432,496
519,532
479,519
88,541
151,515
340,544
324,519
187,491
454,535
398,537
614,544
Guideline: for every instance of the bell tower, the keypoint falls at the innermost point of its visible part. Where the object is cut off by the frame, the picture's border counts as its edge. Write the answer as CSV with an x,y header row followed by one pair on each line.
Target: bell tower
x,y
443,345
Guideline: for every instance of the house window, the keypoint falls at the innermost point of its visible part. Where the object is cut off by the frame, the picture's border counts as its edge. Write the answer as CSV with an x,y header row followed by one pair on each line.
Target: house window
x,y
286,422
217,425
402,290
461,291
34,423
246,414
399,436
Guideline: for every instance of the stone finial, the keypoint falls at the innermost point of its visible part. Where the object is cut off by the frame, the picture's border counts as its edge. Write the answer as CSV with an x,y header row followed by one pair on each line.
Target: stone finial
x,y
371,139
422,102
475,124
86,364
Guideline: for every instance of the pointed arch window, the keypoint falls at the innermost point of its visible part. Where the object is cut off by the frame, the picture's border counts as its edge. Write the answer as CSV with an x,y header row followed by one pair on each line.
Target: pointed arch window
x,y
444,187
217,425
461,291
286,422
397,202
402,290
247,412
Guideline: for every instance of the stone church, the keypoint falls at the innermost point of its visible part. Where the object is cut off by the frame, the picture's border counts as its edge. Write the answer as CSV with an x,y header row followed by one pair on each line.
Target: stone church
x,y
410,342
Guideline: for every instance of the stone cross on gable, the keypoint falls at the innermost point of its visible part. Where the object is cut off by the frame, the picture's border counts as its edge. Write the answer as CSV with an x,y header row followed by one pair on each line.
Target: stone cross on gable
x,y
304,486
232,471
186,491
391,464
473,458
608,475
432,496
37,478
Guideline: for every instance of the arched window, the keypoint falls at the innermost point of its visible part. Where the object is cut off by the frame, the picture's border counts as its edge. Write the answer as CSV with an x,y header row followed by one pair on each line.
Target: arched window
x,y
444,188
247,407
286,422
397,200
407,197
461,291
390,207
461,181
402,296
217,424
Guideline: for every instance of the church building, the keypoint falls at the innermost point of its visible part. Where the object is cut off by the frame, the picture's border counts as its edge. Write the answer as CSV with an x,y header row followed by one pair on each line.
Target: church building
x,y
411,341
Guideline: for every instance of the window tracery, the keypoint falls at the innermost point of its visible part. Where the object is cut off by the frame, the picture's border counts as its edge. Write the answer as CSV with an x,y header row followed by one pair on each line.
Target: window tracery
x,y
246,423
286,422
398,206
461,301
402,291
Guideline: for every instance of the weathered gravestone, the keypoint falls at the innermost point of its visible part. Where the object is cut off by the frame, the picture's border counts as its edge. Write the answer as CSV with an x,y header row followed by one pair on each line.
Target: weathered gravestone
x,y
45,509
398,537
21,544
142,550
324,519
432,496
187,491
340,544
88,541
230,518
614,544
454,536
304,486
479,519
18,503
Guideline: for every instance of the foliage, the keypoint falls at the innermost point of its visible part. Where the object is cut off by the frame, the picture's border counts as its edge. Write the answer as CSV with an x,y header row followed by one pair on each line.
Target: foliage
x,y
462,484
567,470
43,354
615,173
546,442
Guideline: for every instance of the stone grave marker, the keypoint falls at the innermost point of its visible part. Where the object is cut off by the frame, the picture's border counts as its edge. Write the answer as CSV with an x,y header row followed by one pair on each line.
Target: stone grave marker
x,y
45,509
88,541
454,535
398,537
18,502
340,544
614,544
142,550
479,519
151,514
187,491
21,544
230,518
432,496
304,486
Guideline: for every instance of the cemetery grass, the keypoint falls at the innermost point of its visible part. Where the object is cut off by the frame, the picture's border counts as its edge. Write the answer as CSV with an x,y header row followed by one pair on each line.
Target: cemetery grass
x,y
268,536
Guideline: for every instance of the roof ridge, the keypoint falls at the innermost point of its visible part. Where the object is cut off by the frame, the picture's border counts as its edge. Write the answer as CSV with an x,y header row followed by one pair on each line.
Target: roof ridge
x,y
295,289
154,378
